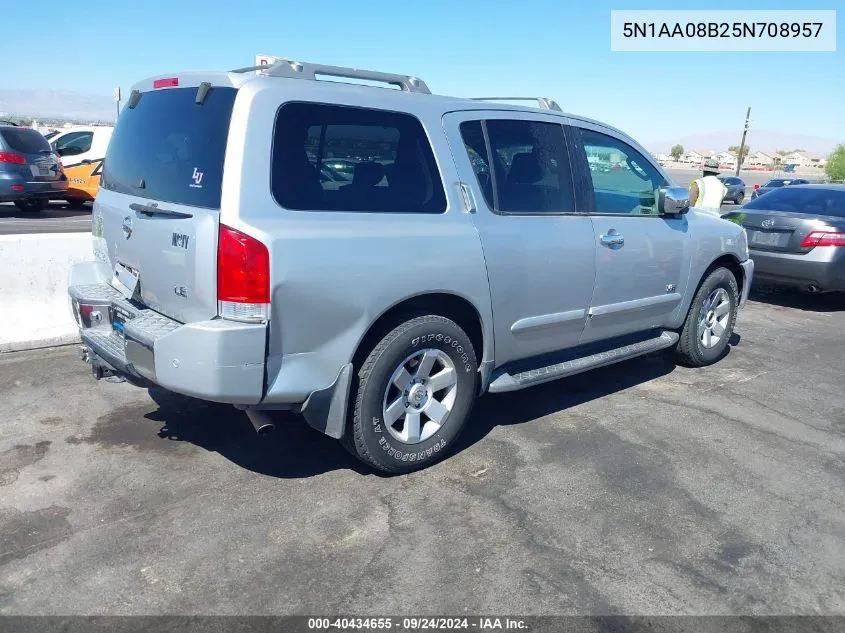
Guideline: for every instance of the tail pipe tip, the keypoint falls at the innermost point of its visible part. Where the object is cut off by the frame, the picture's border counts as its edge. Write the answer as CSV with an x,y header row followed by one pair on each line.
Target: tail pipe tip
x,y
261,421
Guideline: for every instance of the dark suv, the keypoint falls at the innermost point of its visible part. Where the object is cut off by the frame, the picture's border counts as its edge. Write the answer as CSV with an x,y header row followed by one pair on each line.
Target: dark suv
x,y
30,172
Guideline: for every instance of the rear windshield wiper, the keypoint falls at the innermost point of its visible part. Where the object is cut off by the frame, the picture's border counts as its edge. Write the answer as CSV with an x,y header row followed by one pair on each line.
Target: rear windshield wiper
x,y
151,210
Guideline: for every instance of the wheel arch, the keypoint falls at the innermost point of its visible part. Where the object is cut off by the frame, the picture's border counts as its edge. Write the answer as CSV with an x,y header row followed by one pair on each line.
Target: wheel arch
x,y
729,261
447,304
725,260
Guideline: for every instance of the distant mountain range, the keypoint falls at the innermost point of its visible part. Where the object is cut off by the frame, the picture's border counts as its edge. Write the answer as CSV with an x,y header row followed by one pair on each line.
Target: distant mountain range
x,y
57,104
762,140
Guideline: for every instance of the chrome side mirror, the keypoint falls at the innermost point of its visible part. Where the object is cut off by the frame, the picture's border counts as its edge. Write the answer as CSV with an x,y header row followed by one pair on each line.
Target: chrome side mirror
x,y
673,200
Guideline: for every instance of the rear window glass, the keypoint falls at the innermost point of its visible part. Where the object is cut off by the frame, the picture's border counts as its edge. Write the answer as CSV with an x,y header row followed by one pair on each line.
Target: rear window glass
x,y
338,158
809,201
776,183
170,148
24,140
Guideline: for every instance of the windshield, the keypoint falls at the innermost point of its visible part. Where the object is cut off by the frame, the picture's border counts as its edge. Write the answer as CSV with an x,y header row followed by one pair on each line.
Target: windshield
x,y
170,148
809,201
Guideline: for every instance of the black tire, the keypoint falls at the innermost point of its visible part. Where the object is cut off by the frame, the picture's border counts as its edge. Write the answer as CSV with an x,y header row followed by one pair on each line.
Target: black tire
x,y
32,205
368,436
75,203
739,198
691,350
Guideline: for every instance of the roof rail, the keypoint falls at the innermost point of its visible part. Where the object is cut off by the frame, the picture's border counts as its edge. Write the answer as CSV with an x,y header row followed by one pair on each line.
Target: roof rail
x,y
544,102
306,70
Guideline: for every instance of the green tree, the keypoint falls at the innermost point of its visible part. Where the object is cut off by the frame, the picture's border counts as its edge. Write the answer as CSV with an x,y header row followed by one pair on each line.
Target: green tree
x,y
835,167
741,156
676,151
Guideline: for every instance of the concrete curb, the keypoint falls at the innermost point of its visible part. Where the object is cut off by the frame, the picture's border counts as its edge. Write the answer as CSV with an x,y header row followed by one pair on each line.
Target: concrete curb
x,y
55,341
33,289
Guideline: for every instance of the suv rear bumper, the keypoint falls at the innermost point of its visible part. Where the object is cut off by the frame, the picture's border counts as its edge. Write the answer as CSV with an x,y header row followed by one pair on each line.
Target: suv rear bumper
x,y
53,189
217,360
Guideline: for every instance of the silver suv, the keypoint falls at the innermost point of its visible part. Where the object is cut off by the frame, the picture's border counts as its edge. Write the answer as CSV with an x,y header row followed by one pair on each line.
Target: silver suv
x,y
376,259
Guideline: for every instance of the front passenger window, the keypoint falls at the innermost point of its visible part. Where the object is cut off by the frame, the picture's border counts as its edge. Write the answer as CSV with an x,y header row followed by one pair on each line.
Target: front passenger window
x,y
623,181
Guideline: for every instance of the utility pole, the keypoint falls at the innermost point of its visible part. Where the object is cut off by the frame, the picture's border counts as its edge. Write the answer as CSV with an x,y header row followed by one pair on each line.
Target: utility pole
x,y
740,158
117,102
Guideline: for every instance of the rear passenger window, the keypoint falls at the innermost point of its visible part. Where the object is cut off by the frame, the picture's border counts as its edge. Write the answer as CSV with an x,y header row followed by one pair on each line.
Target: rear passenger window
x,y
337,158
529,164
24,140
624,182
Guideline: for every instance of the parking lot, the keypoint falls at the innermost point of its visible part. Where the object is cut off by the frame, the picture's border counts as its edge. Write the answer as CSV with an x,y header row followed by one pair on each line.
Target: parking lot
x,y
642,488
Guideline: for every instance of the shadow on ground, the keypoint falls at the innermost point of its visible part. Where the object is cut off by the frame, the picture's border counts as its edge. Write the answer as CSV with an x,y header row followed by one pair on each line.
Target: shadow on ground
x,y
295,450
53,210
798,299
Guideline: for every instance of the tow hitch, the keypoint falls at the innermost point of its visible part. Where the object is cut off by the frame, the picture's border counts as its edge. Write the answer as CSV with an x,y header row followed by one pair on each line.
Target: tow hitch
x,y
99,369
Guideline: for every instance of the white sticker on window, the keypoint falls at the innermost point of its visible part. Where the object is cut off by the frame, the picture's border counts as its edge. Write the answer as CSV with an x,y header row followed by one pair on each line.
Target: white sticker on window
x,y
197,178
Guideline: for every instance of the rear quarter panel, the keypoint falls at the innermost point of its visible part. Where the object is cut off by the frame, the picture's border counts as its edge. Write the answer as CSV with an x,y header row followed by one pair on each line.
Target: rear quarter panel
x,y
334,274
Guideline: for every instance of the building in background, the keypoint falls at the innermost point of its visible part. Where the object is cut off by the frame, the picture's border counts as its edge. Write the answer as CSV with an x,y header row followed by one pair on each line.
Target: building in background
x,y
802,159
727,159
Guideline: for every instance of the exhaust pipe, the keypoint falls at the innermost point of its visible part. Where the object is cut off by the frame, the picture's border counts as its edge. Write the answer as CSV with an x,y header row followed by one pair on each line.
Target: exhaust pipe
x,y
260,421
813,288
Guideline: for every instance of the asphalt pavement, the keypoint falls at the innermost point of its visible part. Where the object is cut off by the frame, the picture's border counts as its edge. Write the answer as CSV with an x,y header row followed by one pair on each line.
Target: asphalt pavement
x,y
57,218
643,488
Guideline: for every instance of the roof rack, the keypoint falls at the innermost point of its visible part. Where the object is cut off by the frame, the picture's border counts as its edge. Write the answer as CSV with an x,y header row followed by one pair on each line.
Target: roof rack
x,y
544,102
306,70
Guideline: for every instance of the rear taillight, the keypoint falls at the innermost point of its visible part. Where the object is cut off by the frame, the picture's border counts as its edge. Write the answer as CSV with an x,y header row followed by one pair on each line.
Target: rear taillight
x,y
823,238
14,159
243,277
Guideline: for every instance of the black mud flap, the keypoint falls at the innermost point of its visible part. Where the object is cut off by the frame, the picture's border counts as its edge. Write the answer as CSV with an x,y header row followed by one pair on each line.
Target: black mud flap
x,y
325,409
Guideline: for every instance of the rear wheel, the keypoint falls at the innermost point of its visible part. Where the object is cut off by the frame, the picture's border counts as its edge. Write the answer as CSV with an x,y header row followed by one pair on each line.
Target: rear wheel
x,y
739,198
415,392
710,321
31,206
75,203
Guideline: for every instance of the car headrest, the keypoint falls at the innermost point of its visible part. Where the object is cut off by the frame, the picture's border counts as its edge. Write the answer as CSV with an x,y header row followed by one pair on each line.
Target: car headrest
x,y
367,174
525,169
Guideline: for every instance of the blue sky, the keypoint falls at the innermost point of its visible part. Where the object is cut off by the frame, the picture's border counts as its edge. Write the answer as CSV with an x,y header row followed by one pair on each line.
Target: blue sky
x,y
461,47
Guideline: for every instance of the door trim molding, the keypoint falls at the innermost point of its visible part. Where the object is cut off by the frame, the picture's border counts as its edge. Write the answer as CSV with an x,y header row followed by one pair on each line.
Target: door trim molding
x,y
546,320
634,304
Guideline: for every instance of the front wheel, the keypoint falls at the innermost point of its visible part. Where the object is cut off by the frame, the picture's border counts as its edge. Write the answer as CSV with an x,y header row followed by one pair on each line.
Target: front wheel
x,y
31,205
739,198
710,321
415,392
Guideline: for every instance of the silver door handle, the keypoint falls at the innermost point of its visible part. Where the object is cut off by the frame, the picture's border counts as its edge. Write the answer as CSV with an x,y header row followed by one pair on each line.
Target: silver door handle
x,y
467,197
612,239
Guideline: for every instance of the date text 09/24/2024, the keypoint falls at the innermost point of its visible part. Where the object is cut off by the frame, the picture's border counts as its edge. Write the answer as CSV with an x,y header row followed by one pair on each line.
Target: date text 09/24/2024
x,y
416,624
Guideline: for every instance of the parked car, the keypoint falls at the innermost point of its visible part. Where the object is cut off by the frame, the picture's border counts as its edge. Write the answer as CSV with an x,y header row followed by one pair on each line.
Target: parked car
x,y
82,150
777,183
341,166
380,310
796,236
30,172
736,189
